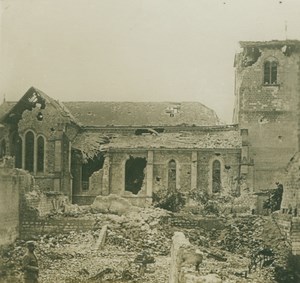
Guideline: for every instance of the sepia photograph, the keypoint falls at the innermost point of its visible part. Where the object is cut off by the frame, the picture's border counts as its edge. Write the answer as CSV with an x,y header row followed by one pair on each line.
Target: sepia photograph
x,y
149,141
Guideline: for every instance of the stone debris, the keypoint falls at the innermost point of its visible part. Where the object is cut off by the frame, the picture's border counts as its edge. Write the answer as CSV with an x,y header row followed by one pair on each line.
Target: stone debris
x,y
137,249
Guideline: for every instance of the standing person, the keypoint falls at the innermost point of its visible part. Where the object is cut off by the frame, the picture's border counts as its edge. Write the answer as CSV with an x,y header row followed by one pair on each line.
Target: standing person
x,y
30,264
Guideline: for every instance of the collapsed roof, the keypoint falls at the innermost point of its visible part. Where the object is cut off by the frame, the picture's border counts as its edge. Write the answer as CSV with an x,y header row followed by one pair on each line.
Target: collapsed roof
x,y
90,143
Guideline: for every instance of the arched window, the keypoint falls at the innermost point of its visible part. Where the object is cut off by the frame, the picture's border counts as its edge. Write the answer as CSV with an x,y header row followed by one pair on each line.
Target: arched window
x,y
172,175
2,148
29,151
216,176
16,150
270,72
40,154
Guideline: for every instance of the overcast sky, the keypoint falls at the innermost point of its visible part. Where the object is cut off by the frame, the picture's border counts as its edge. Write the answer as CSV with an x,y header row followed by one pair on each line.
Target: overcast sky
x,y
135,50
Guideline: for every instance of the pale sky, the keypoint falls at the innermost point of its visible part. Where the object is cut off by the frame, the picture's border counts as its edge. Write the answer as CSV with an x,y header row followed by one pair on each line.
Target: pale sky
x,y
134,50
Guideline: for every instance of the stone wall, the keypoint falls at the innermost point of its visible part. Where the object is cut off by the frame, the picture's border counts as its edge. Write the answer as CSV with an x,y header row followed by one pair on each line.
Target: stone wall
x,y
290,228
284,222
34,226
184,172
12,182
41,214
268,112
56,132
189,222
291,186
295,235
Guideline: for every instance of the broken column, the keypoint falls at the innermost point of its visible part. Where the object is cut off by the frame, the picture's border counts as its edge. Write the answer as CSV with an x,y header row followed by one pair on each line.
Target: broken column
x,y
194,170
149,174
179,241
102,236
105,178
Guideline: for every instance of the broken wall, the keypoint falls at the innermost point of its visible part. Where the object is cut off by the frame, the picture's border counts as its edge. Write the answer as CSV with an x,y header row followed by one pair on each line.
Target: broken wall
x,y
42,213
117,168
44,120
268,111
193,169
291,187
12,182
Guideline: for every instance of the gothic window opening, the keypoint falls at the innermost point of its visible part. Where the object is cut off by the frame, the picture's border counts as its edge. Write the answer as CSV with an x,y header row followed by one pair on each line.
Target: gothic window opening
x,y
92,165
216,176
40,154
29,151
134,174
16,150
172,172
270,73
2,148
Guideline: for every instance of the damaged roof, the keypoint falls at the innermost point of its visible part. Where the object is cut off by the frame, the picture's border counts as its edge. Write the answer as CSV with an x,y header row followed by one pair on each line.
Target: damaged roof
x,y
11,111
90,142
196,140
142,113
122,113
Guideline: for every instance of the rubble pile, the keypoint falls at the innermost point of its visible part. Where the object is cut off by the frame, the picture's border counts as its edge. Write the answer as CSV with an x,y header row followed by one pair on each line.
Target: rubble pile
x,y
242,235
75,256
248,249
139,231
137,249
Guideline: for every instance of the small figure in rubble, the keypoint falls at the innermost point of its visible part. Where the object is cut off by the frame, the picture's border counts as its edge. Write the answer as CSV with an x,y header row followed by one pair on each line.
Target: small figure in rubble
x,y
30,264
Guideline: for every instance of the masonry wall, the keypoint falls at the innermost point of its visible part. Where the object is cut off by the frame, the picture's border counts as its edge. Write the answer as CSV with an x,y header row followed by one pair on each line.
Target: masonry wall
x,y
230,169
187,178
12,182
269,112
291,186
295,235
31,227
57,132
36,206
183,159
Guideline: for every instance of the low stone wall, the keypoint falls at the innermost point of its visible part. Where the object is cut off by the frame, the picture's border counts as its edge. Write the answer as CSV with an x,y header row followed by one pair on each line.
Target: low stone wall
x,y
284,222
41,214
290,227
295,235
190,223
30,228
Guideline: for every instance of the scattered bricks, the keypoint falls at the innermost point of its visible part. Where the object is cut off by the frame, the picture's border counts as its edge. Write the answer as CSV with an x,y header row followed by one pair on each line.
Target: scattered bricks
x,y
102,236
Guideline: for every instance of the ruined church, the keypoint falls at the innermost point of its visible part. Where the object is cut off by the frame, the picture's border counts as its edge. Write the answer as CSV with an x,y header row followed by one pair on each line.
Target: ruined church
x,y
134,149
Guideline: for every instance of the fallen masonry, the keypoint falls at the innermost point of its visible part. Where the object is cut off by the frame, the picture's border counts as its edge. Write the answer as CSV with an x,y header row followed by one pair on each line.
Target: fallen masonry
x,y
152,245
